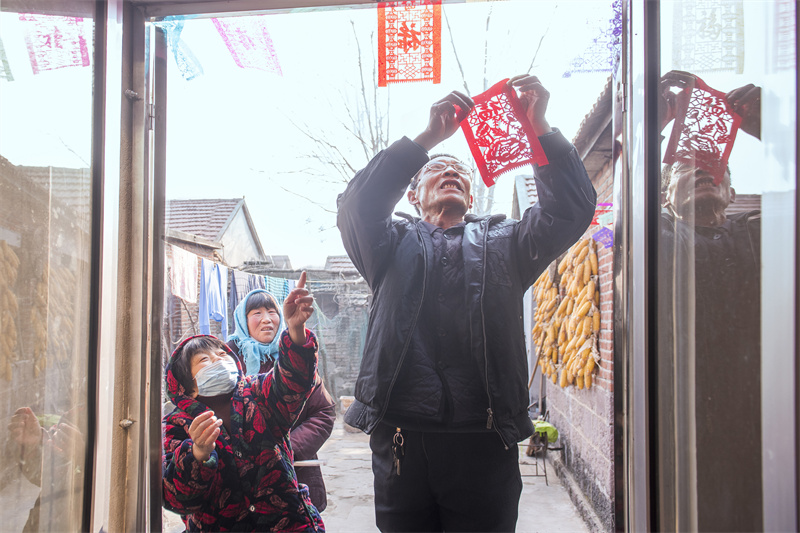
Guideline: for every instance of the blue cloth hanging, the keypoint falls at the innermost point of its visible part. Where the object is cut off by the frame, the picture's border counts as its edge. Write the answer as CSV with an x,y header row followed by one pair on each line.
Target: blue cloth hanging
x,y
213,297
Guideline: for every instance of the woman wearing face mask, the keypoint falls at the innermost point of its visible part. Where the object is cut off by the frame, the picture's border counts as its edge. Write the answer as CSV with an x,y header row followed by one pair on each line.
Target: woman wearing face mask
x,y
255,341
227,463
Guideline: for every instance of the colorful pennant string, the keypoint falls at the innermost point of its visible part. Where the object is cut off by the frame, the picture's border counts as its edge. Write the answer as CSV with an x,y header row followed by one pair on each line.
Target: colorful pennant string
x,y
55,42
249,42
188,64
499,134
708,36
409,42
704,130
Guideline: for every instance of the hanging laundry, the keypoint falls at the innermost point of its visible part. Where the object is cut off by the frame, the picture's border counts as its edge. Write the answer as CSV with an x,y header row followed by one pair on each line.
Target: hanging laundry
x,y
278,287
241,284
409,42
708,36
5,68
183,274
213,297
188,64
605,50
55,42
704,129
499,134
249,42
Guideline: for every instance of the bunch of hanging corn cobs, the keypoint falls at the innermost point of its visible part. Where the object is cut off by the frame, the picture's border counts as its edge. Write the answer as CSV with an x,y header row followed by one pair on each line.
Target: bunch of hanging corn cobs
x,y
567,317
9,266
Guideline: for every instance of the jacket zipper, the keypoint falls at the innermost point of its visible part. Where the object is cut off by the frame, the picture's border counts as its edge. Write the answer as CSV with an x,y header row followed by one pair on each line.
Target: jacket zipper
x,y
490,419
413,324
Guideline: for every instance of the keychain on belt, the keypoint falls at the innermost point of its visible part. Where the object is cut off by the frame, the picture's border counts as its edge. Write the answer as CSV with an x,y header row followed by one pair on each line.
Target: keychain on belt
x,y
397,450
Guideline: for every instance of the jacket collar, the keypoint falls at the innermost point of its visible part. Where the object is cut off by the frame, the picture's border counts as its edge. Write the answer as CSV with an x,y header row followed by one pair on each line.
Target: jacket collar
x,y
468,218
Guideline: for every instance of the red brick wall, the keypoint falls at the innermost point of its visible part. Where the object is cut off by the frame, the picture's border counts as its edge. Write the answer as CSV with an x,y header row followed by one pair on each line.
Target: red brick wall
x,y
584,418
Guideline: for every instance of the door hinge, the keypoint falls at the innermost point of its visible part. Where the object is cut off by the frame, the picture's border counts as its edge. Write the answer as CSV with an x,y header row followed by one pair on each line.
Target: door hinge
x,y
151,116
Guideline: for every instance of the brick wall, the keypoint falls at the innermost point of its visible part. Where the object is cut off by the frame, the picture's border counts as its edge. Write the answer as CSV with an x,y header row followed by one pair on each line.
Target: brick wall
x,y
584,418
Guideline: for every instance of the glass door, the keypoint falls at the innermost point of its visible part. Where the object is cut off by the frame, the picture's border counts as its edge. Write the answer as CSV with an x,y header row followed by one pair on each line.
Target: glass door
x,y
713,189
51,141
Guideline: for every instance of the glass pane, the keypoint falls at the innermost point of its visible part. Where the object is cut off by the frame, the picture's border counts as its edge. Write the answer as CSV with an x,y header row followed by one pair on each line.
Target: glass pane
x,y
46,82
245,91
708,366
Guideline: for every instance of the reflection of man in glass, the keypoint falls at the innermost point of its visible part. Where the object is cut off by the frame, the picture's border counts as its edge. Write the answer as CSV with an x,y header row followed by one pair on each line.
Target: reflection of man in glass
x,y
723,252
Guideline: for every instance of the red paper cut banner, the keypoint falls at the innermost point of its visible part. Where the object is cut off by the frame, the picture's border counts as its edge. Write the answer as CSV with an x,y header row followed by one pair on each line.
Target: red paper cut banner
x,y
55,42
409,42
499,134
704,130
249,42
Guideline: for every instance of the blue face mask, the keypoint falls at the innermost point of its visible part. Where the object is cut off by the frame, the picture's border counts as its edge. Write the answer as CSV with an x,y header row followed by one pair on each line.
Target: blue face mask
x,y
217,378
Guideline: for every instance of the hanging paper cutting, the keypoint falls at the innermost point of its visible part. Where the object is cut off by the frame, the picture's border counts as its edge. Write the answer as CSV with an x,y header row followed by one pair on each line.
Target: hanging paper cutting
x,y
708,36
409,42
249,42
55,42
605,50
784,56
499,134
704,130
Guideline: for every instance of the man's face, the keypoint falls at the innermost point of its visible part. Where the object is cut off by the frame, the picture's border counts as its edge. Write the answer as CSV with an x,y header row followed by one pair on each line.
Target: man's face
x,y
443,183
693,189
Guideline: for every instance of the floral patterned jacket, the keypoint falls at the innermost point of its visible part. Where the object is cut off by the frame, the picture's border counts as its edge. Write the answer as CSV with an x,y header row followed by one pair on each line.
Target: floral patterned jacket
x,y
248,483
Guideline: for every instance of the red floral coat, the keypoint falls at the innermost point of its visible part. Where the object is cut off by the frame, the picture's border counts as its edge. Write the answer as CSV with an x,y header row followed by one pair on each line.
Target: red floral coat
x,y
248,483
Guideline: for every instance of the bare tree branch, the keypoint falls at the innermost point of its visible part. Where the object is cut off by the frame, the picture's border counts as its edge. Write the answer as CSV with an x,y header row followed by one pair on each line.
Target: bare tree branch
x,y
361,77
455,52
486,50
309,200
536,53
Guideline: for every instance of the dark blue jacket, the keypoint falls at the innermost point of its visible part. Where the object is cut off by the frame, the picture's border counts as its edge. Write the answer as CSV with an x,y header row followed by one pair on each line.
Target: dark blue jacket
x,y
502,258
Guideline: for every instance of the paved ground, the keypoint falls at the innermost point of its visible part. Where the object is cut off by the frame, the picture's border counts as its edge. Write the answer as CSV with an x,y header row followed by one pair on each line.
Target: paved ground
x,y
348,478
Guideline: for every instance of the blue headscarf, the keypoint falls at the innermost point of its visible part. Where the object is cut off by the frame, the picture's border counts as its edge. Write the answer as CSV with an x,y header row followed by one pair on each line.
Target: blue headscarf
x,y
253,352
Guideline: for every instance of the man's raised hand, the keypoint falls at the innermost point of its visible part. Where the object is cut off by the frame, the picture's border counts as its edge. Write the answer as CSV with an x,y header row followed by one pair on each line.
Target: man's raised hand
x,y
746,102
444,119
534,98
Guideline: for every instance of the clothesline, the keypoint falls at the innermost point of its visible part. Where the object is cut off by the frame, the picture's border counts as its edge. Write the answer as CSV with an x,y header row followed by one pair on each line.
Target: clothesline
x,y
211,294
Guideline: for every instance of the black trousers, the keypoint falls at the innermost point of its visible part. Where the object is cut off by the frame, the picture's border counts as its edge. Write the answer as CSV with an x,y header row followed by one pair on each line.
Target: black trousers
x,y
447,482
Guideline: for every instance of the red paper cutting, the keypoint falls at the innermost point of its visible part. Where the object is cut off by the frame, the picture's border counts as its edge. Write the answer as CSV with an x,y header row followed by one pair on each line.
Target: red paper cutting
x,y
249,42
409,41
704,130
500,136
55,42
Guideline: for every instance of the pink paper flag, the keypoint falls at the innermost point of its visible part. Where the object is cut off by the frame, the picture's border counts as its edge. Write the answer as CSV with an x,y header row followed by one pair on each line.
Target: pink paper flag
x,y
55,42
249,42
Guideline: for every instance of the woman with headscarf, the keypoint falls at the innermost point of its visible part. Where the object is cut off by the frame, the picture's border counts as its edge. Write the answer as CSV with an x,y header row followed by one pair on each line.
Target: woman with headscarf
x,y
258,319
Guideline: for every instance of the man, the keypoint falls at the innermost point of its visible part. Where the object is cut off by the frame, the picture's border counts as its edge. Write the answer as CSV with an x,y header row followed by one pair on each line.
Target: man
x,y
442,387
709,272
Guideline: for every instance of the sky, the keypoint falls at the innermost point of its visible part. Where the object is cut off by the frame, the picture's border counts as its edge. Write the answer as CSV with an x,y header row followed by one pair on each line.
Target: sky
x,y
236,132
